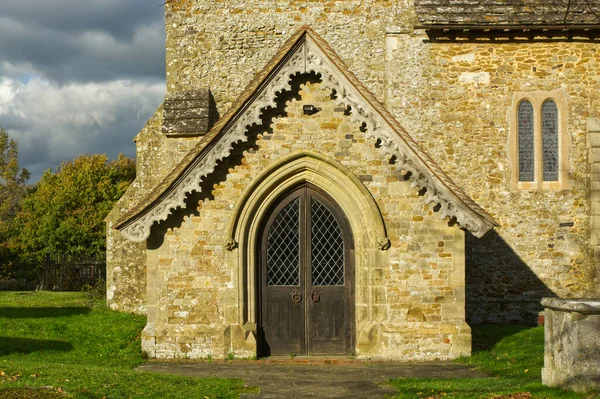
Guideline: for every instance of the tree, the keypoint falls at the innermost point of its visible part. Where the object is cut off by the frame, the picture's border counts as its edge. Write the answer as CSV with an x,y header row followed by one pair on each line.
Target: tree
x,y
12,190
65,212
12,178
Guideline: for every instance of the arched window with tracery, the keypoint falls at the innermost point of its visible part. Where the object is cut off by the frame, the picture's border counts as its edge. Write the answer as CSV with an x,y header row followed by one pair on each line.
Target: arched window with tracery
x,y
550,140
540,144
526,141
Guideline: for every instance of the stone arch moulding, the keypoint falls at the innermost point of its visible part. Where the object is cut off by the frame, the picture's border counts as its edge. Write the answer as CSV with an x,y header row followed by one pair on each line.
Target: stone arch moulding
x,y
305,52
359,206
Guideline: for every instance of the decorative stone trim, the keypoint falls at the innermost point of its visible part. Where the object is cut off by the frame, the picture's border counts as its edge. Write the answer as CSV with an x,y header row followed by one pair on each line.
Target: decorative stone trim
x,y
231,244
384,243
284,173
354,199
391,145
304,57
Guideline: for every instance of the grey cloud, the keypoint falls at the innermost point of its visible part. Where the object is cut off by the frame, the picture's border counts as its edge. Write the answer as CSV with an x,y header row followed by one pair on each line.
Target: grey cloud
x,y
74,41
54,123
97,72
119,18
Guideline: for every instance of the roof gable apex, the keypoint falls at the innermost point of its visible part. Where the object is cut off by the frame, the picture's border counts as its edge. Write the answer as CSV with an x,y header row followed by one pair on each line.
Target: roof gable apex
x,y
304,52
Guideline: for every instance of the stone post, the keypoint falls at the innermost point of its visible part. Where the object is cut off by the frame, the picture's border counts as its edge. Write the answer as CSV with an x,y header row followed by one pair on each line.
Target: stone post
x,y
572,343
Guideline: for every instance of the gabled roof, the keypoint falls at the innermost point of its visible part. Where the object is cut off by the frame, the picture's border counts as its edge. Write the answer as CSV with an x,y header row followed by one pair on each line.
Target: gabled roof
x,y
533,14
304,52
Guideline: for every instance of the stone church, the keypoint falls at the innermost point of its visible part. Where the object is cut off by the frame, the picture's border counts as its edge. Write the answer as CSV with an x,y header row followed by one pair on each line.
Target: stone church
x,y
361,177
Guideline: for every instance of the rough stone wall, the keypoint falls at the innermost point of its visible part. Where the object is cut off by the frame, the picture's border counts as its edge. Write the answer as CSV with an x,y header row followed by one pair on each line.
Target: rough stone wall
x,y
125,260
456,99
414,294
452,97
222,44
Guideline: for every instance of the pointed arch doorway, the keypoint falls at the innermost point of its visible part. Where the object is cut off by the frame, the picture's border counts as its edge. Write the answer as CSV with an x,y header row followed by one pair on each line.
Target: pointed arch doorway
x,y
306,258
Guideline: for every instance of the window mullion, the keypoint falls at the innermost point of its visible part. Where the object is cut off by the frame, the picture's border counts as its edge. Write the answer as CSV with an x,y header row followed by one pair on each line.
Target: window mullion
x,y
538,145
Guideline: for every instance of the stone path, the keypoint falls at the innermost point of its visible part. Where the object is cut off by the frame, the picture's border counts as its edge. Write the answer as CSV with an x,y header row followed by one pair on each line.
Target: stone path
x,y
327,379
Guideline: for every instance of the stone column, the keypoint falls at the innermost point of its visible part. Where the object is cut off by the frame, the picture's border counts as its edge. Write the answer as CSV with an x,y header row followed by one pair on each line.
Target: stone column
x,y
593,130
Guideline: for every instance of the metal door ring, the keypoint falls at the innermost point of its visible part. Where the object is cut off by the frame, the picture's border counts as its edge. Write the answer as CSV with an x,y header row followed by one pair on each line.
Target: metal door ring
x,y
296,296
315,296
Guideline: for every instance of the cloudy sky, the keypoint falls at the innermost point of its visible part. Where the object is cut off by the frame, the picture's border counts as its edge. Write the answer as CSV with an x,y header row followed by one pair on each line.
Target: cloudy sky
x,y
78,76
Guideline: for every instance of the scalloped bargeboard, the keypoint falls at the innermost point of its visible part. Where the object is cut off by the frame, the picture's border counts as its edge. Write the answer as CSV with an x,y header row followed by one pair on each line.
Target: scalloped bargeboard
x,y
304,52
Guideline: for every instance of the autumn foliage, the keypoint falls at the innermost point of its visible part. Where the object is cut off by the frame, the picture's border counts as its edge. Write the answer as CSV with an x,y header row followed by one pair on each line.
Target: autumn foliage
x,y
63,213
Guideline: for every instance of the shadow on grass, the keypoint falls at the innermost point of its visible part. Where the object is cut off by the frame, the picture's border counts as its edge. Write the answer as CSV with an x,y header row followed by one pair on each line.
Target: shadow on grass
x,y
486,336
10,345
41,312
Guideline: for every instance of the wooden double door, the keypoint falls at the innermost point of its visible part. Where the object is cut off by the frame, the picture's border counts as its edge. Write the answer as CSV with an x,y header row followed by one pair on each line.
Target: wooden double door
x,y
307,277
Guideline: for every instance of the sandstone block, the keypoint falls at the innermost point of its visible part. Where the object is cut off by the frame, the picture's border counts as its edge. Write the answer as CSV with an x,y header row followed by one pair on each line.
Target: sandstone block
x,y
593,138
595,154
593,125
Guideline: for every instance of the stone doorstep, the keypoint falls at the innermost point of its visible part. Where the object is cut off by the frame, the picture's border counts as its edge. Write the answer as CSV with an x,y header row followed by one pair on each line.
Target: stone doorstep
x,y
342,360
276,360
311,360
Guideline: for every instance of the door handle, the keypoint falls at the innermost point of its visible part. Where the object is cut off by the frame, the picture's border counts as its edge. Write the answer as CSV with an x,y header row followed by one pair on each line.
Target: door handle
x,y
296,296
315,296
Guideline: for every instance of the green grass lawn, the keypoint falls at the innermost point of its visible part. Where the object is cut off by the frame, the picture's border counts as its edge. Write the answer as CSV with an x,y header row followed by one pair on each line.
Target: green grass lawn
x,y
57,345
513,356
81,349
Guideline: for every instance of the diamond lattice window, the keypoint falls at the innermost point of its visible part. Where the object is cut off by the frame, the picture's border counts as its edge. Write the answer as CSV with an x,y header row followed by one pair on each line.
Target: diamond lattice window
x,y
283,247
327,246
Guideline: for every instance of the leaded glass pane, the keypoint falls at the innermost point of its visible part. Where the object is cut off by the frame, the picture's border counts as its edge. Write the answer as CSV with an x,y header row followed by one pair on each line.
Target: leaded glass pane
x,y
283,246
327,246
550,140
526,142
